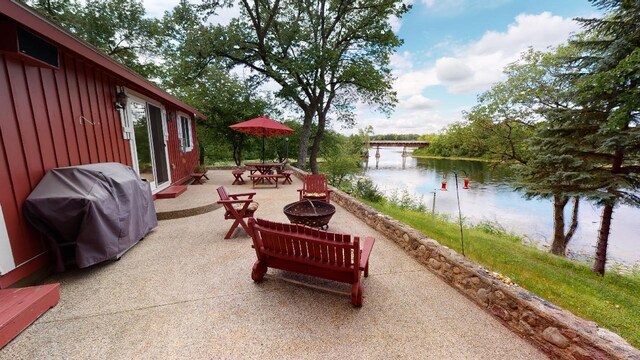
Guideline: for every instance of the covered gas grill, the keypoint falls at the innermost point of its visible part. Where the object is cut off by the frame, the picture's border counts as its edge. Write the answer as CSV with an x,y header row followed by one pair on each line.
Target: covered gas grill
x,y
91,213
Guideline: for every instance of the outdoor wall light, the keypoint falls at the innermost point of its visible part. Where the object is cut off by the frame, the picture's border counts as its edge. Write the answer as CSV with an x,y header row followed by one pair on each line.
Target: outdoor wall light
x,y
121,100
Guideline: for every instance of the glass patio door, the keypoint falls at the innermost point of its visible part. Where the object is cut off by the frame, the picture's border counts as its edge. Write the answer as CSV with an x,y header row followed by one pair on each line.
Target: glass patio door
x,y
149,143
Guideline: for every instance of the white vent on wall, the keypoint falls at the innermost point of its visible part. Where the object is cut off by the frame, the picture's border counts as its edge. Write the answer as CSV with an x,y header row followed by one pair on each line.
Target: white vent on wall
x,y
6,255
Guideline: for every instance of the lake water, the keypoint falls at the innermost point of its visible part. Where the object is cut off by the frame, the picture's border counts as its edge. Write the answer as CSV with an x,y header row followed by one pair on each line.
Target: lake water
x,y
490,198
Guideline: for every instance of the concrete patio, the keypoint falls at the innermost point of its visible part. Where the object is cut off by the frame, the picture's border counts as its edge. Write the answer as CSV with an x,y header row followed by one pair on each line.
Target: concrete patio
x,y
185,292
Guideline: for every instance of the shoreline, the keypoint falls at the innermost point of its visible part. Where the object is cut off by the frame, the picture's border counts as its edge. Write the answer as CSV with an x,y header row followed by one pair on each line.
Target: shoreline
x,y
452,158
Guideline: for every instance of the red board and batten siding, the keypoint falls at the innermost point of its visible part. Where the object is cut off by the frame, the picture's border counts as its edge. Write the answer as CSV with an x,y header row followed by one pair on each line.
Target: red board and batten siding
x,y
40,129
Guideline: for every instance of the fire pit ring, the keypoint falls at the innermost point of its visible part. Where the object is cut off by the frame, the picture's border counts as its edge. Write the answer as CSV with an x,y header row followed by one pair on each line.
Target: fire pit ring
x,y
314,213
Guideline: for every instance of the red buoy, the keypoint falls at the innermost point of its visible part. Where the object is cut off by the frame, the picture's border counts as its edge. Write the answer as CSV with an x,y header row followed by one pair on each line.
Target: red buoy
x,y
466,183
444,185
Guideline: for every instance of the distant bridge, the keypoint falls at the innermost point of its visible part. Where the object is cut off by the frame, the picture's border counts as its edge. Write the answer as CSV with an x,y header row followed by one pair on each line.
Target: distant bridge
x,y
398,143
394,143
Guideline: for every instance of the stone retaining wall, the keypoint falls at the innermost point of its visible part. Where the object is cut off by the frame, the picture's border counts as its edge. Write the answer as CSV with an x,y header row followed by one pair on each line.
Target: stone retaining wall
x,y
554,330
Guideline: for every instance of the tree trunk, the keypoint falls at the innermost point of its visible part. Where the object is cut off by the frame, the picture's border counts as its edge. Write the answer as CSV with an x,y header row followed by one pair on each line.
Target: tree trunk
x,y
237,153
605,225
574,220
603,240
201,153
305,134
317,140
559,244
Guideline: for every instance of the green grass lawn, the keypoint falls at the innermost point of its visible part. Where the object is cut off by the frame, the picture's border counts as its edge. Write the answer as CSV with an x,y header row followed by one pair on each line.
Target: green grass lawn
x,y
612,301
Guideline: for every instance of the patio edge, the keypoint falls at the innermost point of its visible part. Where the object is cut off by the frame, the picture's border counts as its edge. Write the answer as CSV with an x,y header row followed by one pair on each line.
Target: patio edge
x,y
554,330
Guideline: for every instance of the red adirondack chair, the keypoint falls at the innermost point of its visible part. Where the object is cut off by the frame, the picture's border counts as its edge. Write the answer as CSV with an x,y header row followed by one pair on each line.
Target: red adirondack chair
x,y
237,209
315,187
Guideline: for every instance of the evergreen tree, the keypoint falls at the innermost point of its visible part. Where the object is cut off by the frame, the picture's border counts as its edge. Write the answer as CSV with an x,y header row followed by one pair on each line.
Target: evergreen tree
x,y
601,132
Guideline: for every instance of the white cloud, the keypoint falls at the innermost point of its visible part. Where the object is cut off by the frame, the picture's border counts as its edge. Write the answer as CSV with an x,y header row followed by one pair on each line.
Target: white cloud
x,y
470,68
537,31
156,8
451,69
225,15
417,102
487,57
401,62
405,122
414,82
454,7
478,65
395,23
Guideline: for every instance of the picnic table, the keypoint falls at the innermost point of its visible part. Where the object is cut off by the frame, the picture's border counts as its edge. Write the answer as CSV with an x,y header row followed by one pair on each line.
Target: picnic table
x,y
264,168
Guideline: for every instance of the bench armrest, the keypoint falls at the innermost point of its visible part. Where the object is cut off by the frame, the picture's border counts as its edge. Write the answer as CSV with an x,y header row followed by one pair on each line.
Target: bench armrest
x,y
366,251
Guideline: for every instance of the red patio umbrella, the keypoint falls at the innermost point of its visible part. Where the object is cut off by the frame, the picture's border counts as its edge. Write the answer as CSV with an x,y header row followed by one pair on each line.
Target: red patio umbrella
x,y
262,126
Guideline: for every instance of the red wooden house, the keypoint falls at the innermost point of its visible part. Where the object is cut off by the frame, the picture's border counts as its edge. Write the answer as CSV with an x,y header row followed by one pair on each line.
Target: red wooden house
x,y
63,103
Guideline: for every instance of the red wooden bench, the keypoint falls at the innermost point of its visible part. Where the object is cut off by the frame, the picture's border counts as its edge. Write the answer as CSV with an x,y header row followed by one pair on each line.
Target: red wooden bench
x,y
237,209
306,250
265,179
197,178
287,175
238,177
315,187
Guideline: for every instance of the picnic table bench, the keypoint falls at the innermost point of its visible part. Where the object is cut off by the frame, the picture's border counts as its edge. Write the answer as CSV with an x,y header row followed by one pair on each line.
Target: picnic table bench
x,y
197,178
309,251
237,173
265,179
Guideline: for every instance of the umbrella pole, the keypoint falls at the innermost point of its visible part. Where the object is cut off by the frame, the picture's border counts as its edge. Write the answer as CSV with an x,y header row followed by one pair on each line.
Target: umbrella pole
x,y
263,159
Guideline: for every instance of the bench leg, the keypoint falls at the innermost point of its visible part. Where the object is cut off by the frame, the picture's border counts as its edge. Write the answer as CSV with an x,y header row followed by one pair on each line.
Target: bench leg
x,y
356,294
258,272
239,180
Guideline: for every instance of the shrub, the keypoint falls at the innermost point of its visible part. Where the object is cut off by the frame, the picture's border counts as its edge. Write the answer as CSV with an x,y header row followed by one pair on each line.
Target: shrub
x,y
406,201
365,189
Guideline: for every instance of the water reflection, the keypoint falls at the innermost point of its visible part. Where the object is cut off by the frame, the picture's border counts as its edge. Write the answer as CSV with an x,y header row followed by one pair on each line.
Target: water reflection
x,y
491,198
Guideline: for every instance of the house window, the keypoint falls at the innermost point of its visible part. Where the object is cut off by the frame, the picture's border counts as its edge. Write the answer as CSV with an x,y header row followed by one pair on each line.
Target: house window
x,y
185,133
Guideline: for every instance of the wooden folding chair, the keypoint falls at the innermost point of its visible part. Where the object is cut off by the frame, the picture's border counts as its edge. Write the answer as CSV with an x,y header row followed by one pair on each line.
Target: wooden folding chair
x,y
237,209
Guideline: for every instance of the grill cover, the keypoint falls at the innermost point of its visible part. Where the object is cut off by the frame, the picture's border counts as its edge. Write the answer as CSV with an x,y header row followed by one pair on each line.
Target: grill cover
x,y
103,209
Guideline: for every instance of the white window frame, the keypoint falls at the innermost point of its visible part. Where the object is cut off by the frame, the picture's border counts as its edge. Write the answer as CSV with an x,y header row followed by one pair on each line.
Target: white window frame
x,y
181,136
6,255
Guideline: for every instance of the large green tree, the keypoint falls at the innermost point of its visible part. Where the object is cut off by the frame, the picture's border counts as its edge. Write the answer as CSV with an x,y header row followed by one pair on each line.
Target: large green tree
x,y
510,120
601,131
120,28
324,54
225,99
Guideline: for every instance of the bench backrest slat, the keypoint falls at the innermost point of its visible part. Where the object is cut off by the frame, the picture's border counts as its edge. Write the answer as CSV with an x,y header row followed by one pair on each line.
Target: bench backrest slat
x,y
315,183
298,241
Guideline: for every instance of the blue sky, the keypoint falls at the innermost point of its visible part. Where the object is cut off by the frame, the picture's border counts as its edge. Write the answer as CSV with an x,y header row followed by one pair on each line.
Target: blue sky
x,y
453,50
